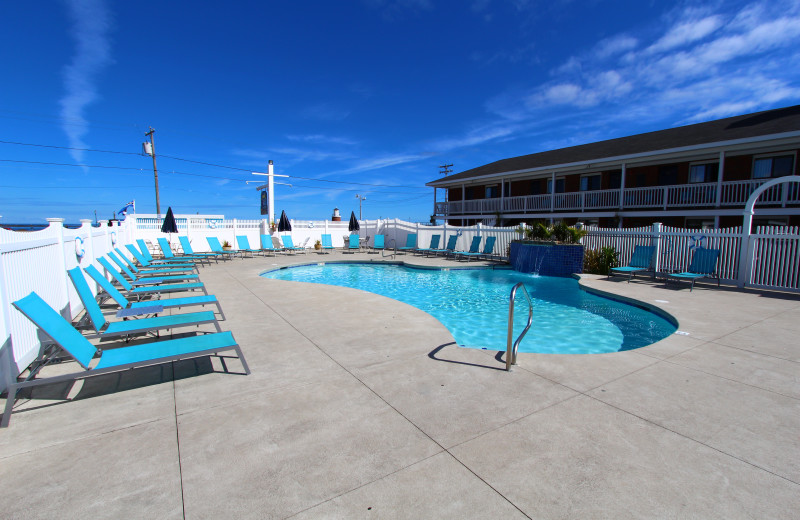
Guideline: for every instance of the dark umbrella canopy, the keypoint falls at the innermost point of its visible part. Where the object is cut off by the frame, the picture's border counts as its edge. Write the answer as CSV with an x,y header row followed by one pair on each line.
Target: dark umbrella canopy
x,y
284,224
169,225
353,226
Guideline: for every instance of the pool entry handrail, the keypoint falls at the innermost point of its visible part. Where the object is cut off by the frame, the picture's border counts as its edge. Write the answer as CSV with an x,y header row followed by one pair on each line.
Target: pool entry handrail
x,y
511,350
393,250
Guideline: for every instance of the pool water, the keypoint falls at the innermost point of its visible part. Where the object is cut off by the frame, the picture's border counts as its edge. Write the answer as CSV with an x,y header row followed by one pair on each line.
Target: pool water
x,y
473,305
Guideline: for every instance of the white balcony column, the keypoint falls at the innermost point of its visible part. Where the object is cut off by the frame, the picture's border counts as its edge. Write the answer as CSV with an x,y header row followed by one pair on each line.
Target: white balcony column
x,y
502,198
434,201
552,193
720,174
622,186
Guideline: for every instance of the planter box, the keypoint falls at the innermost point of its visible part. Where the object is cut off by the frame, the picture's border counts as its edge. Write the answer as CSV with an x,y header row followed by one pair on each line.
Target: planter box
x,y
546,258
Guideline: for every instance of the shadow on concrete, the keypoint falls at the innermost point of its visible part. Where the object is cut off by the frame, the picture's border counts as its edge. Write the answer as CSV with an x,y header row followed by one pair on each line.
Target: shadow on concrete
x,y
433,353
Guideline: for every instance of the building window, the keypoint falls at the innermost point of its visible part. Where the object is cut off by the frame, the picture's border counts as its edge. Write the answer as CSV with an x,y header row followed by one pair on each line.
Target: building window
x,y
469,193
766,167
668,175
590,182
703,173
536,187
560,186
614,180
507,189
492,192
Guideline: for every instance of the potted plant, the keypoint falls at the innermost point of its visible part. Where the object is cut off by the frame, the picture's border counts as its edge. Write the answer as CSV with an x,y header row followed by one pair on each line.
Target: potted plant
x,y
318,245
226,246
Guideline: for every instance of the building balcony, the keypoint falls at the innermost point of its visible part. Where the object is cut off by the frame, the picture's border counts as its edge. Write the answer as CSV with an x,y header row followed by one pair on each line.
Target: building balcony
x,y
710,195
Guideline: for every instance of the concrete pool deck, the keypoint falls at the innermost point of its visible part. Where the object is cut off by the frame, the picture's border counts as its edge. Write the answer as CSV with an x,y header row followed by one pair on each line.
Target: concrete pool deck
x,y
359,406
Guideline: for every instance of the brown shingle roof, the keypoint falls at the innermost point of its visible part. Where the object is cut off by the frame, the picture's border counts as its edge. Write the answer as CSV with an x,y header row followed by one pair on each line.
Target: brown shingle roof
x,y
738,127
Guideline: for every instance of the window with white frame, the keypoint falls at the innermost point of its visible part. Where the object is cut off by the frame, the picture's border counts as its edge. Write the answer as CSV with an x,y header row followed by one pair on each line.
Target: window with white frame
x,y
493,191
775,166
703,172
590,182
560,186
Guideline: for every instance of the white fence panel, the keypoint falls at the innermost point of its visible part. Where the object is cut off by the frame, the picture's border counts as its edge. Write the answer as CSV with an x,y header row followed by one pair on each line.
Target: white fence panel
x,y
777,258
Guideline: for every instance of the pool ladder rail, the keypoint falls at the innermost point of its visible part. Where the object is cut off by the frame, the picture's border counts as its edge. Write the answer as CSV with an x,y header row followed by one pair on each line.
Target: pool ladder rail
x,y
511,349
394,254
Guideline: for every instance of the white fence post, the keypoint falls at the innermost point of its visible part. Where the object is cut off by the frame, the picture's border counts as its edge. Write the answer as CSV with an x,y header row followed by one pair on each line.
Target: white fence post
x,y
656,240
58,225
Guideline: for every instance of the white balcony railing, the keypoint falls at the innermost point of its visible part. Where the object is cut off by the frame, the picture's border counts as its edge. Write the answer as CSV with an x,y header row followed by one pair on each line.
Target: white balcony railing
x,y
733,193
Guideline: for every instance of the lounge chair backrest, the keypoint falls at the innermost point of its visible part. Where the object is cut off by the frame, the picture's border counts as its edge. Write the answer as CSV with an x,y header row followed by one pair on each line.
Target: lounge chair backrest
x,y
411,240
213,243
122,266
137,254
243,242
451,242
116,274
143,247
704,261
379,241
166,249
488,249
186,245
353,242
266,242
435,241
126,260
326,241
103,282
86,296
475,246
642,256
287,241
59,329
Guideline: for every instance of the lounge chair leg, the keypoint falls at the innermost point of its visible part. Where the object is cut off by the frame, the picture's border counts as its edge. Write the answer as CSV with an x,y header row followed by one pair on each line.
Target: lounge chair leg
x,y
241,358
12,396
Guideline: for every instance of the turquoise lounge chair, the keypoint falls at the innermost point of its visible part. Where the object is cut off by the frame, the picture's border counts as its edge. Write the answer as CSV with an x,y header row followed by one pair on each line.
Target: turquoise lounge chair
x,y
186,244
449,249
378,243
143,256
127,266
146,266
216,247
105,329
71,341
268,246
168,303
150,285
704,265
488,249
640,261
433,247
411,243
288,245
327,243
180,274
166,250
353,243
244,246
474,249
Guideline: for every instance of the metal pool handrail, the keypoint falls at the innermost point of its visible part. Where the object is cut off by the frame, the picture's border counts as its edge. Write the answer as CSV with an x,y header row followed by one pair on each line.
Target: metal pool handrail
x,y
511,350
393,255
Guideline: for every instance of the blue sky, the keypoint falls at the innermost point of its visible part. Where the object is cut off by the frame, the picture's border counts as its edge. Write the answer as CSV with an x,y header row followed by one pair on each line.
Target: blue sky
x,y
353,97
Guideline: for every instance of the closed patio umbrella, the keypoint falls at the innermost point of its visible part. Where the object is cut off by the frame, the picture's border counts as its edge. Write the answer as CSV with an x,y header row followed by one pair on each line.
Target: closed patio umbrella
x,y
284,224
169,225
353,226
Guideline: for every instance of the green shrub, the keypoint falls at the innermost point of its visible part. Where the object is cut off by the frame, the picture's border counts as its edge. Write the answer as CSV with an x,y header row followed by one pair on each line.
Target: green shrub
x,y
600,261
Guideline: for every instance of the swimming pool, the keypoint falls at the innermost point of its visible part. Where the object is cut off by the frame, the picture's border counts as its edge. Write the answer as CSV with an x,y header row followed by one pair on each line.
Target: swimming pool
x,y
473,305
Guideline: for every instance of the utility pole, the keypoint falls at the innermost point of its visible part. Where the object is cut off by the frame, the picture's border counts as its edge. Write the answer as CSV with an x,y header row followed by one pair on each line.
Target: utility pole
x,y
444,169
270,187
151,151
360,198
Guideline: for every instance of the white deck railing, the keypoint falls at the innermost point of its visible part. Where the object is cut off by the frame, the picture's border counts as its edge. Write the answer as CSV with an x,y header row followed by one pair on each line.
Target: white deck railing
x,y
733,193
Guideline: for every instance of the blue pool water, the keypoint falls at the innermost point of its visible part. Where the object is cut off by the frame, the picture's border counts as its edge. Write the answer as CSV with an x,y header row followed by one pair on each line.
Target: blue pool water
x,y
473,305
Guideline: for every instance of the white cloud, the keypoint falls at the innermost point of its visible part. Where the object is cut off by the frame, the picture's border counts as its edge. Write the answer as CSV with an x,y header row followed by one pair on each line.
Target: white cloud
x,y
685,33
319,138
615,45
90,26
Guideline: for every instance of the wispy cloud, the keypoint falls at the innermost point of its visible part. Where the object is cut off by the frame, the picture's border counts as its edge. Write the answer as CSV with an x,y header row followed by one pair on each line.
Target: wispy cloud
x,y
90,26
325,112
324,139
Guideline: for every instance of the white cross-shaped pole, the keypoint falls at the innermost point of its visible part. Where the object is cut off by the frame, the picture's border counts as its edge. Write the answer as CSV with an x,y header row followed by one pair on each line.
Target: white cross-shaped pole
x,y
270,191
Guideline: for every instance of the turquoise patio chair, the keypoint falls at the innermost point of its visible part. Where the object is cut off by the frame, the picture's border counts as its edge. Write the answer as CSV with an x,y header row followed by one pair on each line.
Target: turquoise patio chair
x,y
150,285
411,243
641,261
244,246
488,249
354,243
180,274
474,249
146,266
171,269
433,247
268,246
106,329
704,265
64,335
148,261
186,245
327,243
288,245
449,249
167,303
378,243
169,255
216,247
